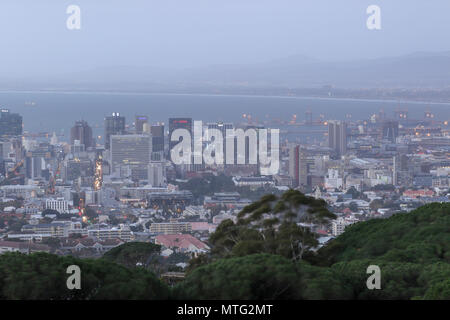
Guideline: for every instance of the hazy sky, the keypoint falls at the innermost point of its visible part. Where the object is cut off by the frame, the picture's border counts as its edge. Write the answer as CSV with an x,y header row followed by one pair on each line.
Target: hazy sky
x,y
184,33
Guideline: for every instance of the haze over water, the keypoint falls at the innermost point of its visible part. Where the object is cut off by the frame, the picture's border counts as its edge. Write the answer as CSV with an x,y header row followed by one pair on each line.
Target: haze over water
x,y
58,111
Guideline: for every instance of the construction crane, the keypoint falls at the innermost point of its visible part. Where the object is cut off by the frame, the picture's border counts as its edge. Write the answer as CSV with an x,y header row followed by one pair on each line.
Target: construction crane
x,y
51,185
14,169
52,180
12,175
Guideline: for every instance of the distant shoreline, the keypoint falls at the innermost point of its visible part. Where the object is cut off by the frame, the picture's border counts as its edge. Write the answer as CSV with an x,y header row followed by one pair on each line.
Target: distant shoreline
x,y
199,94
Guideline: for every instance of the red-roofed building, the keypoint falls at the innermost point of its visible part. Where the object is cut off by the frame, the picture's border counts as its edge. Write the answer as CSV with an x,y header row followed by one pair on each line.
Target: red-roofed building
x,y
202,226
418,193
73,245
181,243
322,232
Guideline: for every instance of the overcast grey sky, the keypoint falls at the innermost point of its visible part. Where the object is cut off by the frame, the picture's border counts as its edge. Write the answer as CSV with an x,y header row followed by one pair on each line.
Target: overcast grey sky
x,y
185,33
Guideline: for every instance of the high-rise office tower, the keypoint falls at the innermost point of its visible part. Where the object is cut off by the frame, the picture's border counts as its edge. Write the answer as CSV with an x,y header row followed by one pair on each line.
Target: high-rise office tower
x,y
132,150
222,127
10,123
395,170
298,166
178,123
77,147
403,162
37,158
390,130
251,148
2,161
76,168
337,136
82,132
399,169
156,174
12,147
139,123
157,138
114,125
33,166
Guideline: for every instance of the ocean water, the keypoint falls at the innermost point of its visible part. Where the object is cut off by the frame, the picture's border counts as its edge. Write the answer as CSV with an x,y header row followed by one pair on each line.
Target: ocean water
x,y
56,112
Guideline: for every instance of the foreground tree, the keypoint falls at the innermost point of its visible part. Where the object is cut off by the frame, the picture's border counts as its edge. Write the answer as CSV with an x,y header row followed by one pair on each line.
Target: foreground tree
x,y
275,225
259,276
42,276
134,254
438,291
262,277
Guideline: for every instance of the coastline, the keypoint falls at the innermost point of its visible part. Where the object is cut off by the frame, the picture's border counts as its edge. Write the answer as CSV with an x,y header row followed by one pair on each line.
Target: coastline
x,y
200,94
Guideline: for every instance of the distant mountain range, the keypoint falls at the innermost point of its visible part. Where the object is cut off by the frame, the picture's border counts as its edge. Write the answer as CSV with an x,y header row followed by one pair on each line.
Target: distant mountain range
x,y
418,70
415,70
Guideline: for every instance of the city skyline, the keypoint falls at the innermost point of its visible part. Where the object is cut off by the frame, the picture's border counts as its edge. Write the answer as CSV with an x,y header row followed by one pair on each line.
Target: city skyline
x,y
233,153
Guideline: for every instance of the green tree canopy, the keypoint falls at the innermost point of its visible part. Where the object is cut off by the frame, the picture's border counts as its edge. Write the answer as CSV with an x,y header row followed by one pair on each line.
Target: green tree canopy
x,y
42,276
259,276
262,276
131,254
421,236
275,225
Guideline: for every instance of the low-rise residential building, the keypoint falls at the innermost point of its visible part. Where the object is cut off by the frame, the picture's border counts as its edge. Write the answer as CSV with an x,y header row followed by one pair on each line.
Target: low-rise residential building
x,y
122,233
73,245
22,247
254,182
181,243
230,200
221,217
52,229
170,227
203,226
23,191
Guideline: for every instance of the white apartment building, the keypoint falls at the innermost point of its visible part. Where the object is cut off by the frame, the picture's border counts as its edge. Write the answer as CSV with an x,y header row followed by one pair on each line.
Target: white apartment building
x,y
122,233
338,226
59,204
333,179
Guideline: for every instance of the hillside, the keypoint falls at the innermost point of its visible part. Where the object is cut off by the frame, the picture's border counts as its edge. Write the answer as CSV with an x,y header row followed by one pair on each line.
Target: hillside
x,y
421,236
411,249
